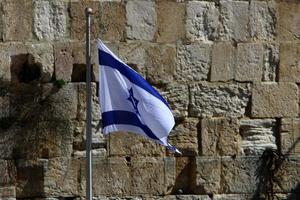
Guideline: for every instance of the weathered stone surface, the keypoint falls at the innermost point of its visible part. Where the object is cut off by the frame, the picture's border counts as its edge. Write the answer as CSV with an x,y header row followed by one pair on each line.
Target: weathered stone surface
x,y
184,137
122,144
202,21
271,62
223,62
63,61
193,62
215,99
170,174
208,175
289,70
233,197
275,100
178,98
170,20
238,175
257,135
8,173
249,65
112,21
4,106
288,21
263,20
17,20
8,193
160,64
141,20
219,136
5,75
50,20
290,136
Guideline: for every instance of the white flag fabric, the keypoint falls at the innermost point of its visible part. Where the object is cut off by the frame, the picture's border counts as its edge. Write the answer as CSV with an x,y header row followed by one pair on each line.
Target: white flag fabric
x,y
129,103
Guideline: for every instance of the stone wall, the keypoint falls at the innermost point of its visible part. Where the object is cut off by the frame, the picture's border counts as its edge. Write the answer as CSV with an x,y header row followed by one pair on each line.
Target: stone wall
x,y
230,70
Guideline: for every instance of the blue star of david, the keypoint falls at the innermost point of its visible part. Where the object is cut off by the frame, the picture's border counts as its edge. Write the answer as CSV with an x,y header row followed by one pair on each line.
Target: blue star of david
x,y
133,100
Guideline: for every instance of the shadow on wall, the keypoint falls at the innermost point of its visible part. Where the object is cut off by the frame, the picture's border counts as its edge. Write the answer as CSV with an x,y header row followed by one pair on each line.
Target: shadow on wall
x,y
295,193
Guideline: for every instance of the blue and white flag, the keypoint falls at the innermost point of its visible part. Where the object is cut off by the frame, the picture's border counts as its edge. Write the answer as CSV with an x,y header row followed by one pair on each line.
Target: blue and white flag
x,y
129,103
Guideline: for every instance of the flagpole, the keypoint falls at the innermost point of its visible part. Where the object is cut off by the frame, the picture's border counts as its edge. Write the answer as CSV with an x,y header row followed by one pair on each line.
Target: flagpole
x,y
89,182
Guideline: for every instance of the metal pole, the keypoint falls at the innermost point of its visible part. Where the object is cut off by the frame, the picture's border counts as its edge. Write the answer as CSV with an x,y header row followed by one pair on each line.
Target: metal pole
x,y
89,182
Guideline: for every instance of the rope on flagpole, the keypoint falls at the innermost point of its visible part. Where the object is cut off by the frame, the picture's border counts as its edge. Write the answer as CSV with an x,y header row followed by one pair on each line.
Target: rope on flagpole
x,y
89,182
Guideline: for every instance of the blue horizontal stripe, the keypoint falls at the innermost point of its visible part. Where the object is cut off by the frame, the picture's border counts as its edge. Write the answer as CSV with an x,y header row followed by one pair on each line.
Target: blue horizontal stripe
x,y
126,118
108,60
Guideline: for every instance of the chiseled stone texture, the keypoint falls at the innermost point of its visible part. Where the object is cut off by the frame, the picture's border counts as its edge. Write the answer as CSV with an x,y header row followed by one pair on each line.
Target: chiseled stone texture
x,y
8,173
215,99
5,75
50,20
233,197
271,62
141,20
4,106
170,20
257,135
219,136
17,20
249,65
290,135
184,136
275,100
288,20
193,62
8,193
208,175
289,70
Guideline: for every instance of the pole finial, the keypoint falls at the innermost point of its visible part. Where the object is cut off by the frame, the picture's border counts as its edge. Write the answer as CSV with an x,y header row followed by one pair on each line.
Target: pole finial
x,y
89,11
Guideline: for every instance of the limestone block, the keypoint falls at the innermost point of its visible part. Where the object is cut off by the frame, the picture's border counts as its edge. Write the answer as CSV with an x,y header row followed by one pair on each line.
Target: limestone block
x,y
193,62
289,70
8,135
134,54
61,177
223,62
177,97
17,20
275,100
8,173
257,135
4,106
215,99
263,20
235,20
5,75
219,136
63,61
112,21
8,193
290,136
186,197
96,113
288,21
208,175
184,137
238,175
202,21
50,20
122,144
77,19
233,196
249,62
141,20
271,62
170,174
170,20
185,175
286,179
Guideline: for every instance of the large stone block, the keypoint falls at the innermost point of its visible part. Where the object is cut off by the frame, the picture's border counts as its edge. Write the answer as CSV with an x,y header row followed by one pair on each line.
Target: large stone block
x,y
288,21
170,17
263,20
215,99
257,135
223,62
290,136
233,197
50,20
249,65
160,64
141,20
184,136
271,62
275,100
193,62
219,136
17,20
289,70
112,21
238,175
202,21
208,175
131,144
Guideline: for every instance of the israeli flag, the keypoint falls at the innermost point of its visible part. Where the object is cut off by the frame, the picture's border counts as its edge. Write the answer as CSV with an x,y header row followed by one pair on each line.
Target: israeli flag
x,y
129,103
